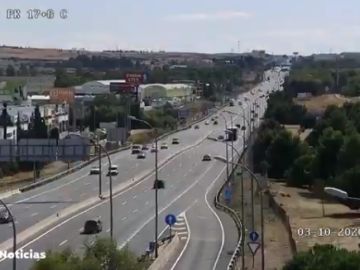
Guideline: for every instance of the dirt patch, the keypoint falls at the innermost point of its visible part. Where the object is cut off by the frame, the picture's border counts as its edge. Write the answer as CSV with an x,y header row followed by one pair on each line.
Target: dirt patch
x,y
21,178
320,103
309,225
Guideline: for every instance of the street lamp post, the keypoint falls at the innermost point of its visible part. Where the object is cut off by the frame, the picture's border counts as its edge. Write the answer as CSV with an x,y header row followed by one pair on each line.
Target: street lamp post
x,y
14,233
227,152
156,183
100,147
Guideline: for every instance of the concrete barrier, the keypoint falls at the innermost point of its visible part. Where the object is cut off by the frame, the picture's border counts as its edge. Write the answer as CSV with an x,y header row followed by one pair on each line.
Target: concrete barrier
x,y
166,253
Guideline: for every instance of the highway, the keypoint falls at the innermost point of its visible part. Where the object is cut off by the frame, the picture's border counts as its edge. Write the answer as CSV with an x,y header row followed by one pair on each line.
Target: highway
x,y
190,186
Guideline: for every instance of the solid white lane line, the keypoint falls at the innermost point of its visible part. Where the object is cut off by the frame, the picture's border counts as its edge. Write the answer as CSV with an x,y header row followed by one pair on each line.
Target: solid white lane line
x,y
34,214
124,202
53,206
108,230
63,243
86,183
135,211
124,218
135,196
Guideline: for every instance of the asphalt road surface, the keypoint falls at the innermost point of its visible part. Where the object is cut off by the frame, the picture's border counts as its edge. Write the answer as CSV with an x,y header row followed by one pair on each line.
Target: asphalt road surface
x,y
190,186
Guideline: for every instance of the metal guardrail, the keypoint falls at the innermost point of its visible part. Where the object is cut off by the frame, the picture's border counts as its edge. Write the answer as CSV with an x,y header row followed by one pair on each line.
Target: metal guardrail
x,y
237,252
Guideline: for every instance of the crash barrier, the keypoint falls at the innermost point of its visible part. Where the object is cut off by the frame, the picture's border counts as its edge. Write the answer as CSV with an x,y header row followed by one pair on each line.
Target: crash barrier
x,y
237,252
281,213
84,164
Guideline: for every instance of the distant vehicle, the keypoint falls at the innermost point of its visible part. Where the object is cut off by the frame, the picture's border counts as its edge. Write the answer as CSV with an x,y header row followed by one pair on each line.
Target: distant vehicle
x,y
92,226
196,127
206,158
141,155
5,217
175,141
206,122
220,137
113,170
95,170
153,149
164,146
342,197
136,149
212,118
231,103
240,103
215,122
145,147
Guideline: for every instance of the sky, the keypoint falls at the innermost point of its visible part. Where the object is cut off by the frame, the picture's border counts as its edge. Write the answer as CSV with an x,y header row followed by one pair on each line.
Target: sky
x,y
210,26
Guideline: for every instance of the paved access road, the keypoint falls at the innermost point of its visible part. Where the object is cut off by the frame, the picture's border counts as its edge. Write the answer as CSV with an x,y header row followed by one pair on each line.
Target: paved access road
x,y
190,186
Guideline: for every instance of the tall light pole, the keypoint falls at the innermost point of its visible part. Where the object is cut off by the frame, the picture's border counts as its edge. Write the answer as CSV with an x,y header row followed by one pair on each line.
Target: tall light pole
x,y
226,147
157,183
14,232
110,188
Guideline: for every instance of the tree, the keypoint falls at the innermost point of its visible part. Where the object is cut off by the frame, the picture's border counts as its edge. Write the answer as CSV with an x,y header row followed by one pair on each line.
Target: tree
x,y
10,71
349,181
349,154
325,257
23,70
39,129
327,153
301,172
5,120
282,153
97,256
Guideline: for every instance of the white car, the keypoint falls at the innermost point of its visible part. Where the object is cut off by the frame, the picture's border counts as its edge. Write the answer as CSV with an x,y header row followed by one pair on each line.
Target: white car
x,y
113,170
206,122
95,170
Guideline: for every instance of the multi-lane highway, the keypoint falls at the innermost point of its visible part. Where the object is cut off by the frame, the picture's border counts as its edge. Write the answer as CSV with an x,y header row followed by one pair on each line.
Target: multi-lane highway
x,y
190,186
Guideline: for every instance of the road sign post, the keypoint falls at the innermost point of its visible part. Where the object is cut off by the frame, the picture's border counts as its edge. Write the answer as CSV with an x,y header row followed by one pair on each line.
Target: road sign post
x,y
170,220
253,246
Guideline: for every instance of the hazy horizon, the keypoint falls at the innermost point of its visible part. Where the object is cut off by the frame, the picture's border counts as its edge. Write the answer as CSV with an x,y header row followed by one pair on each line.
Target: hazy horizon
x,y
277,26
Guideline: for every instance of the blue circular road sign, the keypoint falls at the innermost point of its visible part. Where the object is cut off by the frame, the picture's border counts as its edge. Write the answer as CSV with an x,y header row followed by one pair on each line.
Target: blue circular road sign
x,y
254,236
170,219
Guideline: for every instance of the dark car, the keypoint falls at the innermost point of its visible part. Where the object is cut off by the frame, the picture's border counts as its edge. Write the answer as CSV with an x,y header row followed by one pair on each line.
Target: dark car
x,y
175,141
220,137
141,155
5,217
135,151
164,146
196,126
145,147
206,158
215,122
153,149
92,226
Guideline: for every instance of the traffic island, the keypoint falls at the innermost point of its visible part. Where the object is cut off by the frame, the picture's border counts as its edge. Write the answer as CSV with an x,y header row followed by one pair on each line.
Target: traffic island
x,y
168,250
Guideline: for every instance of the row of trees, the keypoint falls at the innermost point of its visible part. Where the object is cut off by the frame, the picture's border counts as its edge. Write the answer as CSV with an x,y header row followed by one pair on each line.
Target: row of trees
x,y
23,70
330,154
341,76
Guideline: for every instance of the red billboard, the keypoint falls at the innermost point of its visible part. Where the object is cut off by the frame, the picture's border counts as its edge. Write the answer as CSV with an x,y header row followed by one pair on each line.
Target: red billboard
x,y
135,78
